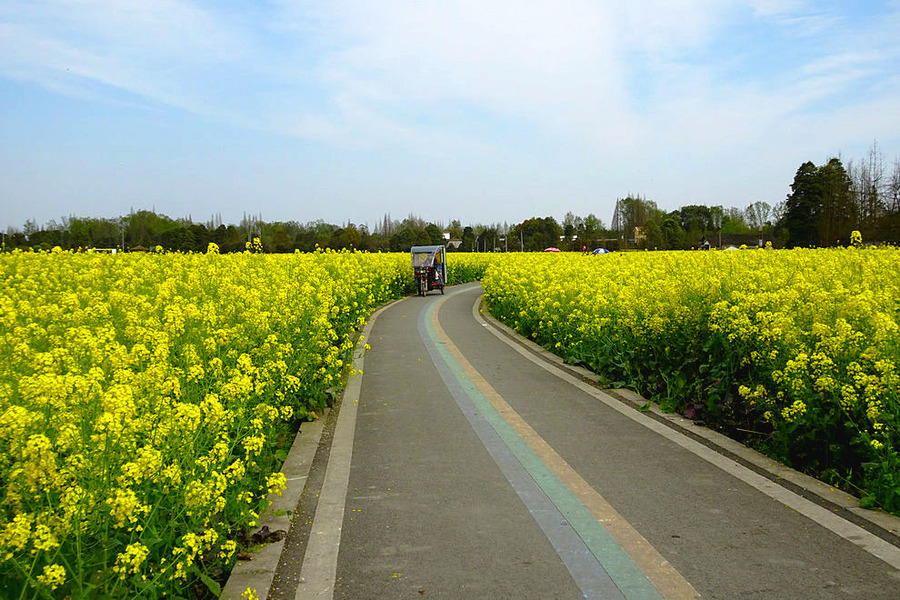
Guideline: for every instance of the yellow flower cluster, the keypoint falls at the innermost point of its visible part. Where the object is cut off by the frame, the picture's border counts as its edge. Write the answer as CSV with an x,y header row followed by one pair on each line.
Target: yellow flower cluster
x,y
254,246
143,397
794,411
52,576
807,338
130,560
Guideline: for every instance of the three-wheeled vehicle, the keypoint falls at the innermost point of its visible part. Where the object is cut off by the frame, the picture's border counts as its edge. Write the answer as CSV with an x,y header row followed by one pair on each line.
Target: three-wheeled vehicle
x,y
430,267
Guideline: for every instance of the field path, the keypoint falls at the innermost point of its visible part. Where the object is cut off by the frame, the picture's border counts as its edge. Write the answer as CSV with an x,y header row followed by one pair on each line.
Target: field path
x,y
471,466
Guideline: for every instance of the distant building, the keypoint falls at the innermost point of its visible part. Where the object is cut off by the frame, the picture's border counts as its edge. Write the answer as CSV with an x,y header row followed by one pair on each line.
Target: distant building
x,y
639,235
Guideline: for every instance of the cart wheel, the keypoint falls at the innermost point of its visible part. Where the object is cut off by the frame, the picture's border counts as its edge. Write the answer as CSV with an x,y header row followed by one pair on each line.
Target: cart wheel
x,y
442,290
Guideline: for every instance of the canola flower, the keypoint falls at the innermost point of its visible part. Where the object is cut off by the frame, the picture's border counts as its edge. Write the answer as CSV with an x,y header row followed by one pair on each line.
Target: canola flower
x,y
801,345
146,400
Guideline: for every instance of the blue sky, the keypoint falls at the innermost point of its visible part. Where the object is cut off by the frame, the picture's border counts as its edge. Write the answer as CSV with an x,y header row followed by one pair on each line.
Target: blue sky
x,y
483,111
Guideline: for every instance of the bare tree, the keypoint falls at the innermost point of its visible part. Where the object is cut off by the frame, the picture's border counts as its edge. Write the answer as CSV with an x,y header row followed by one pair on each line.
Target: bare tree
x,y
250,225
215,221
868,178
387,226
30,228
894,188
631,212
716,218
618,219
778,211
735,215
757,214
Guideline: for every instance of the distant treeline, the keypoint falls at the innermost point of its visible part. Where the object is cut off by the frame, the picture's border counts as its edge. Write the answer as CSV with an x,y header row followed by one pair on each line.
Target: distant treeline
x,y
826,204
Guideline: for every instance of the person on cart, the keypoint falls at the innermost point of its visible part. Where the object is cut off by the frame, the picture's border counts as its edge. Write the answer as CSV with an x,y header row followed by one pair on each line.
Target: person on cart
x,y
429,268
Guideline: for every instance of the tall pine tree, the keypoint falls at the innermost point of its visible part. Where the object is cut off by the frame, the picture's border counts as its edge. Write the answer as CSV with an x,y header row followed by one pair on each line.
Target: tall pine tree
x,y
803,207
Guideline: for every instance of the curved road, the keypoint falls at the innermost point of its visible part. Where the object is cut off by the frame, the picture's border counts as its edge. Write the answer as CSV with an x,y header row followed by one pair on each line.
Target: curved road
x,y
470,468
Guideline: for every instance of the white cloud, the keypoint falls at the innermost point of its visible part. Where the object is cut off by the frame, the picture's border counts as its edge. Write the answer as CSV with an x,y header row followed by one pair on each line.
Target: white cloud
x,y
599,91
353,72
809,25
551,65
568,68
155,51
667,27
769,8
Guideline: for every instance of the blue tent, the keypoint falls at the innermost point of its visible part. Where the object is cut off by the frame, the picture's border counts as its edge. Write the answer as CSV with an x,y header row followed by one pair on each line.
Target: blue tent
x,y
600,251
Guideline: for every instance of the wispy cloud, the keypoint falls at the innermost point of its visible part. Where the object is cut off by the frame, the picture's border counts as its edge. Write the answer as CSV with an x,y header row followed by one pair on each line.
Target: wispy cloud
x,y
628,85
152,52
583,69
347,66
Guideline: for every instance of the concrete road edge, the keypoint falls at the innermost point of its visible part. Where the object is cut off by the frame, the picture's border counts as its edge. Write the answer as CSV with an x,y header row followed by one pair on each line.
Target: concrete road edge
x,y
885,525
258,572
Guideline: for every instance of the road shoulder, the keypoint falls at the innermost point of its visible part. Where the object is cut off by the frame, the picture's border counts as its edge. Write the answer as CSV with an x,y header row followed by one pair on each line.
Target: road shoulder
x,y
883,525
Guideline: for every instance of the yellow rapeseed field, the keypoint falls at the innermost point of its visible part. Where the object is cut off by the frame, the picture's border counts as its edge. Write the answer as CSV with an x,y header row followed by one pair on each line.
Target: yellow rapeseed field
x,y
146,399
797,348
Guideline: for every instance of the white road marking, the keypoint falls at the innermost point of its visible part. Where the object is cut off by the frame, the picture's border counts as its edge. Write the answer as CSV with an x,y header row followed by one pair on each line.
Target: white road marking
x,y
319,570
855,534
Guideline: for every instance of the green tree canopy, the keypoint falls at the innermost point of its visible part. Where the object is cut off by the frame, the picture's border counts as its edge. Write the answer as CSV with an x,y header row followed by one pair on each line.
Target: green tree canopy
x,y
839,211
803,207
821,209
538,233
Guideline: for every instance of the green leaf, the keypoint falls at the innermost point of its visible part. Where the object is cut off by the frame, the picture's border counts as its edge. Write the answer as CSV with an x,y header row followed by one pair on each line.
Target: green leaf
x,y
868,501
212,585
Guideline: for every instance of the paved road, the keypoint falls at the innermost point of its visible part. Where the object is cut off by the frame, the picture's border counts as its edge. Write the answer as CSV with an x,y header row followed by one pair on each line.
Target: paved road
x,y
471,471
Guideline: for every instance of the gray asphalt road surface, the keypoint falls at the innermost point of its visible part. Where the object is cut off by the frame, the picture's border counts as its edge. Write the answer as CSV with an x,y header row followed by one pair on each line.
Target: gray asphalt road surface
x,y
475,473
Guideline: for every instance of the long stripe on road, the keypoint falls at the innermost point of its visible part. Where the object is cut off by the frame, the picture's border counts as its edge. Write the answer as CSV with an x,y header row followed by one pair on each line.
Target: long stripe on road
x,y
588,574
820,515
551,489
